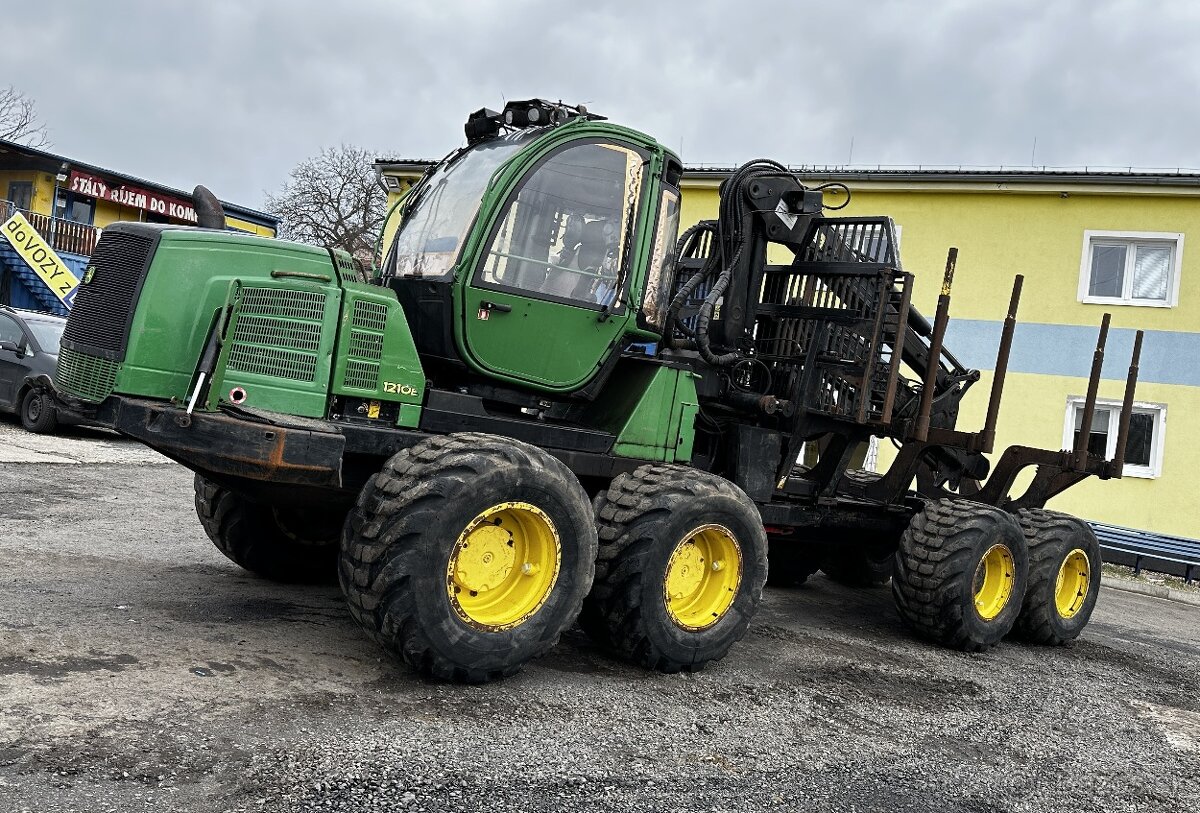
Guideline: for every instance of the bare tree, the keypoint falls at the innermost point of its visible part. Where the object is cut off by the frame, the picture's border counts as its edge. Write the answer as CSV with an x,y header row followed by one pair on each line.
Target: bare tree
x,y
18,119
333,199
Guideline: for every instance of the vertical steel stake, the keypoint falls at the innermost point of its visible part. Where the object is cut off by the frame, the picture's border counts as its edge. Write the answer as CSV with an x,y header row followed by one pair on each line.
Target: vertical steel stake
x,y
1117,466
988,435
1089,404
935,348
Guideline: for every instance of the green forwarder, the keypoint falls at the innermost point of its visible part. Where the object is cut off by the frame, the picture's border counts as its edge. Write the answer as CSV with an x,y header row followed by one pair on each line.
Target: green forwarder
x,y
546,405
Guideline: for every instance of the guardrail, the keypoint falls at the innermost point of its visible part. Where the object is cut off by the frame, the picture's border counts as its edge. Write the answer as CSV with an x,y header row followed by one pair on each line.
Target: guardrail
x,y
62,235
1180,552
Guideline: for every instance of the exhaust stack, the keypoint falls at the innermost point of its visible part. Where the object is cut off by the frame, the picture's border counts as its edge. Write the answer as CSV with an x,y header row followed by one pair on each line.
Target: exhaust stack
x,y
210,213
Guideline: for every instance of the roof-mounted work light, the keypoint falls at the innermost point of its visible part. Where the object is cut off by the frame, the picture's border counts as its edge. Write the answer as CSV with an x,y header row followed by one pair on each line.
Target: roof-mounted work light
x,y
485,123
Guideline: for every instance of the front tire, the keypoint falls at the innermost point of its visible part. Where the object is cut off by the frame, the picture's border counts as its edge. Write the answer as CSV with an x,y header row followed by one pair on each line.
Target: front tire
x,y
680,574
469,555
37,413
290,545
1064,577
960,574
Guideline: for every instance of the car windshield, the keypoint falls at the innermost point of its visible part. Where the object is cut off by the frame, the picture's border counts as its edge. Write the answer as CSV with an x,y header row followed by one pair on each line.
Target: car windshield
x,y
47,334
428,240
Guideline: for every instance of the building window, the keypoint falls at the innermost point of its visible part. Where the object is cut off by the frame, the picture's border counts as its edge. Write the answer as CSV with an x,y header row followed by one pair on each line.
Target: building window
x,y
1131,268
21,194
1143,449
77,208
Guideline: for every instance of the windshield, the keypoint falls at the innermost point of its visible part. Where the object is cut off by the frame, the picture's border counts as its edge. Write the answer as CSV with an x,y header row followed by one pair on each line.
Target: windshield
x,y
440,215
47,334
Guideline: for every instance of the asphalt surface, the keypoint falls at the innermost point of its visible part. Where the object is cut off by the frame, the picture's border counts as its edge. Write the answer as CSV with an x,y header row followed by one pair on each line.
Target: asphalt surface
x,y
140,670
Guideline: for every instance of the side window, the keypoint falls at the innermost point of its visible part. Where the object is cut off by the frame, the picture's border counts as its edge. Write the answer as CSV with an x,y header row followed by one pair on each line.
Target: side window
x,y
10,331
660,274
566,234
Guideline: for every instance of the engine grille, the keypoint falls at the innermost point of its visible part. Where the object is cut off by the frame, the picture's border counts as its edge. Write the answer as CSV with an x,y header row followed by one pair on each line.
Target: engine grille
x,y
278,333
84,376
369,315
283,303
103,309
361,375
273,362
364,349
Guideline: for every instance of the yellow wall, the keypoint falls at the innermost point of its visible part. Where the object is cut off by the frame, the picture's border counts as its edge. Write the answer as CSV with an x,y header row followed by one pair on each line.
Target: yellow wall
x,y
108,212
43,189
1041,236
247,226
393,222
1002,233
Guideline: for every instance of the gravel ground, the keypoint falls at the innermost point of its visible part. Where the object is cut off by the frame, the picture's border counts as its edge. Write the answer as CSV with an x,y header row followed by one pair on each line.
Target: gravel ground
x,y
139,670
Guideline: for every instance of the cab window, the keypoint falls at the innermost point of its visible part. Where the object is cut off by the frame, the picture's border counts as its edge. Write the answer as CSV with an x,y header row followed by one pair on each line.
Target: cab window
x,y
567,232
660,275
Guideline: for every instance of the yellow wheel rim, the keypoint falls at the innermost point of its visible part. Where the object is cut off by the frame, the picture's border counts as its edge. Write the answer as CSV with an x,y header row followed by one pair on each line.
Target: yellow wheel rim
x,y
703,577
1074,580
994,578
503,566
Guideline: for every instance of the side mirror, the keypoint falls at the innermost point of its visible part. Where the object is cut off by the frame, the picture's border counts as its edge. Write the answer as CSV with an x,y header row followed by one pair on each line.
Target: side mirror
x,y
13,347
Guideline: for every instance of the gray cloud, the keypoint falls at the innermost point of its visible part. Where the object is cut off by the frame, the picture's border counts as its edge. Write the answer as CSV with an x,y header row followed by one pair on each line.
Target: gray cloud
x,y
233,94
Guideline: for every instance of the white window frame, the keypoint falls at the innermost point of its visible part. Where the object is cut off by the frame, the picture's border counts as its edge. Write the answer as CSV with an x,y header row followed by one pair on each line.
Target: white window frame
x,y
1131,238
1154,470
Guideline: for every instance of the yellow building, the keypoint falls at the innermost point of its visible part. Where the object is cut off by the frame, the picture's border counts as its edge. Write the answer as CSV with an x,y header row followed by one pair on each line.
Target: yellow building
x,y
1087,243
69,202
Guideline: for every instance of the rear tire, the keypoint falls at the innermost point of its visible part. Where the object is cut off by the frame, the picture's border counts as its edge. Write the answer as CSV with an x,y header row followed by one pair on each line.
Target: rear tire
x,y
1064,577
37,413
666,595
960,574
293,545
429,574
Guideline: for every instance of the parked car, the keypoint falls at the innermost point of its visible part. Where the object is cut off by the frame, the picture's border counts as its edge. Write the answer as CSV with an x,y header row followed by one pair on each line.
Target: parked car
x,y
28,347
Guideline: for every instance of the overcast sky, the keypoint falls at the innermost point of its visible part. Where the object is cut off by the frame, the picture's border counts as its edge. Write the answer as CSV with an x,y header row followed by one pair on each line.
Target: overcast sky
x,y
234,93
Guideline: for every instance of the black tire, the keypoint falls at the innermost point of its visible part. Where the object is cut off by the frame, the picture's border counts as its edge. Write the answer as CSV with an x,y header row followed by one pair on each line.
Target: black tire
x,y
37,413
268,541
413,516
791,562
856,564
646,516
936,567
1051,537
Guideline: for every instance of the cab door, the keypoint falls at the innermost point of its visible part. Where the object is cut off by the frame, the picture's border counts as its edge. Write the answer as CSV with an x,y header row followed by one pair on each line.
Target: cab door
x,y
548,298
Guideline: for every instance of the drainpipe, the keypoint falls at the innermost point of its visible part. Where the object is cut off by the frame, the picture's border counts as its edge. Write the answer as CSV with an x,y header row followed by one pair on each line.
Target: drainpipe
x,y
60,178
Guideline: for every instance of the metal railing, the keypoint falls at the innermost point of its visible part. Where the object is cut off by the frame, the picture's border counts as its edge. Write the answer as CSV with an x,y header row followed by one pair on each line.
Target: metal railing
x,y
62,235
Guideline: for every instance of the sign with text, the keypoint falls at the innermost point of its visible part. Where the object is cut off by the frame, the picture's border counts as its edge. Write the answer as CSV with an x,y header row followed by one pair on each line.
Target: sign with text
x,y
41,258
83,183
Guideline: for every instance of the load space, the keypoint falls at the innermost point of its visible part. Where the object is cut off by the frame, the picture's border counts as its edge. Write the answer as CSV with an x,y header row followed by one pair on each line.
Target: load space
x,y
546,406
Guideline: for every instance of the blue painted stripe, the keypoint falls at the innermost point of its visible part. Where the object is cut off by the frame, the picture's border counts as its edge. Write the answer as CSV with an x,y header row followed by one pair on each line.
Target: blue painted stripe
x,y
1168,357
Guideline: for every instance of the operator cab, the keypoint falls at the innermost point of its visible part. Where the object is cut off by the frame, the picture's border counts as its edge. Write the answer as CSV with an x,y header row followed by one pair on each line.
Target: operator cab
x,y
518,255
